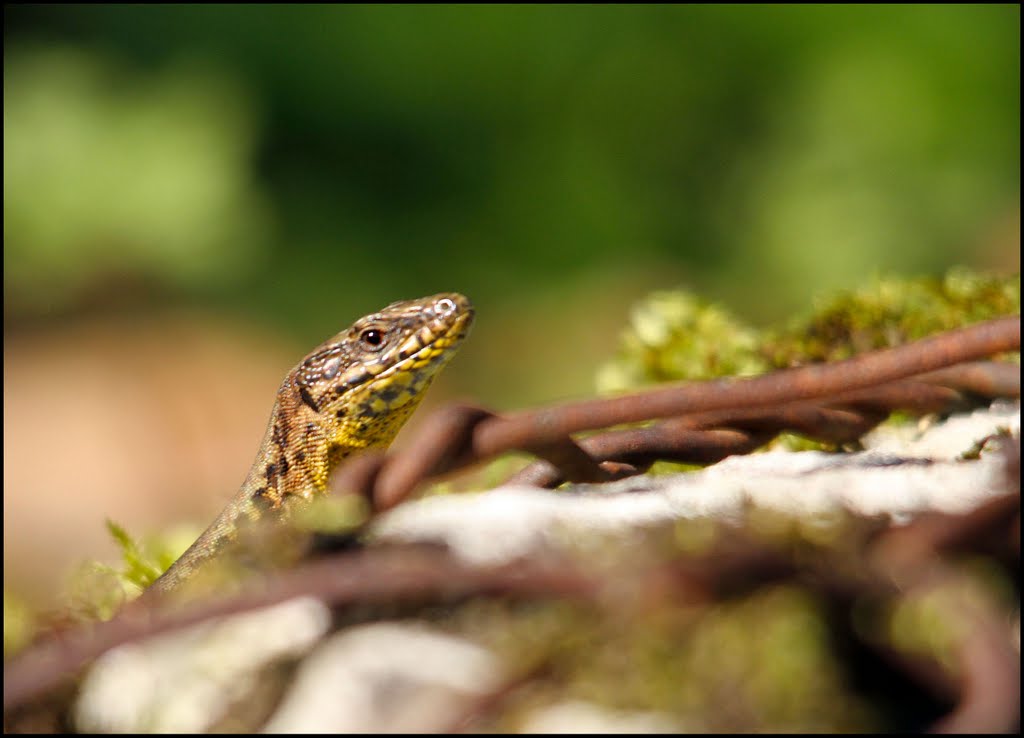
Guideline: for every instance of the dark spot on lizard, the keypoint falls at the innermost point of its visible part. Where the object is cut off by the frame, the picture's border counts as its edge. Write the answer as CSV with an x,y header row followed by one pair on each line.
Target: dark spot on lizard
x,y
308,399
353,380
300,456
340,413
390,394
283,464
262,498
278,435
270,471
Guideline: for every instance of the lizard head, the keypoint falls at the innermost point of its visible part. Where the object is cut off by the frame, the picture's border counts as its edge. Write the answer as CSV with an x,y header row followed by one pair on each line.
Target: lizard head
x,y
352,392
363,383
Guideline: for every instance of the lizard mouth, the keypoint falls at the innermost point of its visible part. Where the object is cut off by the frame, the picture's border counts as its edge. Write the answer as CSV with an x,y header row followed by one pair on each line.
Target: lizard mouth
x,y
392,389
432,344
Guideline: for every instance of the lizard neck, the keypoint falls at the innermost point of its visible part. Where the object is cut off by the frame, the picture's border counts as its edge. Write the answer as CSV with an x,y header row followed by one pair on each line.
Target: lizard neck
x,y
243,507
352,392
295,458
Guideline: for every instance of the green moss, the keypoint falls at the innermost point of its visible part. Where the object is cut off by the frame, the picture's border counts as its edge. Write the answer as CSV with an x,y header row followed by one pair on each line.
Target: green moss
x,y
98,590
763,662
921,623
889,312
984,444
487,476
19,624
674,335
787,441
761,659
331,514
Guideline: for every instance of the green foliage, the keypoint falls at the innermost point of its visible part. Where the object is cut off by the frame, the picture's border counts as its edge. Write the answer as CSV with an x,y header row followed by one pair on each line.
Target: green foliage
x,y
330,514
763,661
889,312
674,336
112,175
762,658
19,623
991,442
98,590
140,568
780,146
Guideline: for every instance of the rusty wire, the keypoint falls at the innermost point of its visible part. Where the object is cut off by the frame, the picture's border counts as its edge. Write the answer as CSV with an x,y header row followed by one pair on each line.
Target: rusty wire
x,y
705,438
384,575
893,563
702,421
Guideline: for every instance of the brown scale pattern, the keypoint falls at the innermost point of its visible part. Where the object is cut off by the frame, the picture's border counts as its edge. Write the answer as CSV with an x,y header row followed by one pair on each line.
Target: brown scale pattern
x,y
353,392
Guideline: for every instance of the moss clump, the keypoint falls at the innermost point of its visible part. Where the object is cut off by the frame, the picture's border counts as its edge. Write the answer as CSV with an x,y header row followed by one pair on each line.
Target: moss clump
x,y
889,312
763,658
764,662
98,590
19,624
336,514
676,336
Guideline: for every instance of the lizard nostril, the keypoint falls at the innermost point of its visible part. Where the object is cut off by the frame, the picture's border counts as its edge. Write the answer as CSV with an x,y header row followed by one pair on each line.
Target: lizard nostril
x,y
444,306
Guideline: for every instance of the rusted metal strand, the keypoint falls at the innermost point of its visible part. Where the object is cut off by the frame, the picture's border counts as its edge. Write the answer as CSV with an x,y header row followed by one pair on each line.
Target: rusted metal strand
x,y
705,438
985,378
910,557
408,574
636,449
547,425
992,528
458,436
989,666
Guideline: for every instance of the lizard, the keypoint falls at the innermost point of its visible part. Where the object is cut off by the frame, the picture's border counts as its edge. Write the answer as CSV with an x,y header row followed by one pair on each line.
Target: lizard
x,y
352,392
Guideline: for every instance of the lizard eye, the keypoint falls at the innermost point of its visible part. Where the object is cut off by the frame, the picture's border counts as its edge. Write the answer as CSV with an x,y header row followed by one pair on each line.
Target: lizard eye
x,y
372,338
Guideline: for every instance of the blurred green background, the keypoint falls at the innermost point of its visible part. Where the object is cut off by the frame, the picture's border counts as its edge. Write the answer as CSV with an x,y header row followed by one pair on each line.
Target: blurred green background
x,y
303,164
294,167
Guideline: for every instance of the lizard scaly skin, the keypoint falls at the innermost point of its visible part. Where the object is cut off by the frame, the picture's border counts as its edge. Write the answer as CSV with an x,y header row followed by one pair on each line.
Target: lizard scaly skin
x,y
353,392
